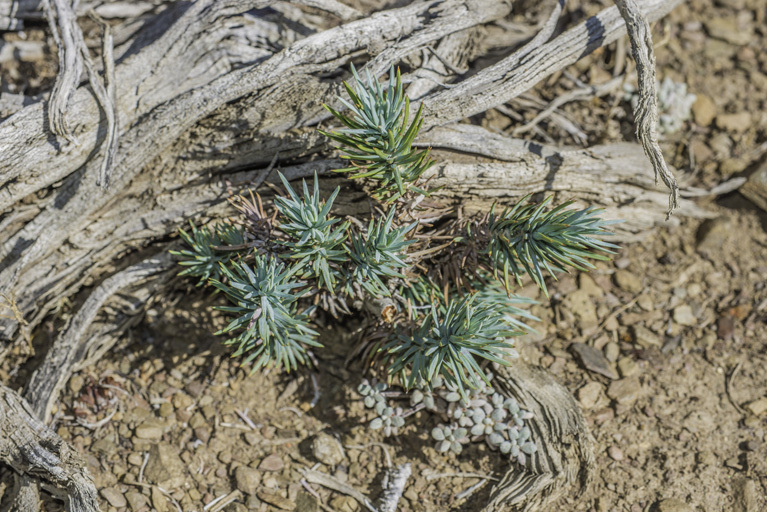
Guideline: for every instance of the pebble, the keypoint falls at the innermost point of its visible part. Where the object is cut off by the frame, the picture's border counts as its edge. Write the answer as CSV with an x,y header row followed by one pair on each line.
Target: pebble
x,y
114,497
164,465
758,407
271,462
593,360
76,383
672,505
683,315
159,501
624,391
588,395
644,337
628,281
703,110
736,123
149,430
729,30
746,496
706,458
612,351
276,500
327,449
136,500
627,367
579,304
755,189
615,453
247,479
589,286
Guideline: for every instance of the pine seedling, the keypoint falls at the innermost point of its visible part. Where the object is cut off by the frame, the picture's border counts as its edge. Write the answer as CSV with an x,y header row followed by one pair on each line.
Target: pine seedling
x,y
208,250
377,139
268,327
527,239
448,345
378,255
317,240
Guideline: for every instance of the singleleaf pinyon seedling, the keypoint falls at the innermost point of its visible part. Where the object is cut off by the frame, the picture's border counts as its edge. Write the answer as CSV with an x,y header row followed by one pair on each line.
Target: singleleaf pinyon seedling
x,y
445,281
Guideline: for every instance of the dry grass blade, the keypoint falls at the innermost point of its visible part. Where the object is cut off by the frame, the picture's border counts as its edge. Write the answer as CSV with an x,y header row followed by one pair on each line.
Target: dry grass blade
x,y
646,113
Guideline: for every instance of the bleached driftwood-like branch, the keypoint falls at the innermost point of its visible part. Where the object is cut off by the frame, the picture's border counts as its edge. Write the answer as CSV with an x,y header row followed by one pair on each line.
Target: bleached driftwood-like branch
x,y
646,113
31,448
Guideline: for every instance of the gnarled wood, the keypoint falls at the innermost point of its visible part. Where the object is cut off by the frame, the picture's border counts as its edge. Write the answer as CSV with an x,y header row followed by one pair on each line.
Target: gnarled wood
x,y
31,448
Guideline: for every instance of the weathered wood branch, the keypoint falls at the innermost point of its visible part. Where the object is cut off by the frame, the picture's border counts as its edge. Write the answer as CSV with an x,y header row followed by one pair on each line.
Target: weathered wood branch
x,y
31,448
564,460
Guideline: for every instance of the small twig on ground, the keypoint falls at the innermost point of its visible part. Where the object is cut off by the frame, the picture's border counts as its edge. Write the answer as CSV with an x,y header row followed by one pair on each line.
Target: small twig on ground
x,y
471,490
98,424
244,417
728,380
382,446
314,493
226,500
143,466
294,410
646,113
325,480
435,476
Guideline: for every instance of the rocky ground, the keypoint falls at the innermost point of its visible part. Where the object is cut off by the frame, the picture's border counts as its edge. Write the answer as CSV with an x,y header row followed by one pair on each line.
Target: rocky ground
x,y
665,347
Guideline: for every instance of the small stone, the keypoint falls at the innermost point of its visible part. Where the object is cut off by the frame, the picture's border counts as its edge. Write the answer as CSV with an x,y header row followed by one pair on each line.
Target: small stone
x,y
276,500
588,395
76,383
729,30
593,360
625,391
166,409
164,466
114,497
136,500
628,281
305,502
271,462
149,430
645,302
344,504
730,166
580,304
195,388
612,351
725,327
627,367
672,505
683,315
327,449
755,189
644,337
589,286
746,495
202,433
615,453
706,458
736,123
159,501
758,407
713,235
751,446
247,479
197,420
703,110
603,415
